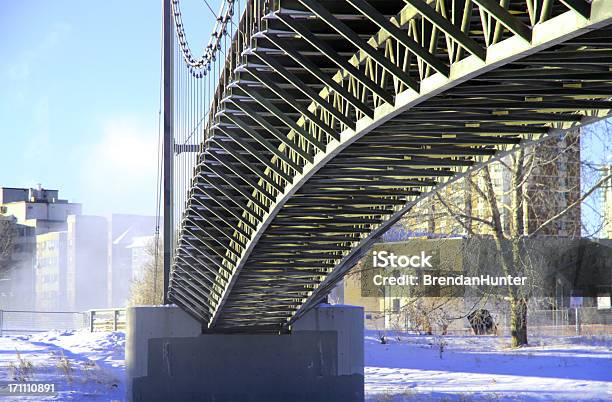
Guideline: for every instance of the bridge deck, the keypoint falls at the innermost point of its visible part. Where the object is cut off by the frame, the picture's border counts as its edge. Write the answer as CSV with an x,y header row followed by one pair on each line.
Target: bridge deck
x,y
335,117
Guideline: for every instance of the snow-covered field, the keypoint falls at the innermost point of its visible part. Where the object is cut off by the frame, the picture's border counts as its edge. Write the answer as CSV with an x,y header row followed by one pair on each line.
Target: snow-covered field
x,y
471,368
85,366
90,366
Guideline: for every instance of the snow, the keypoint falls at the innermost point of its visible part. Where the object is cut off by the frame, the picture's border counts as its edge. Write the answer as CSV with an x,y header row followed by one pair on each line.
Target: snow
x,y
95,372
484,368
411,368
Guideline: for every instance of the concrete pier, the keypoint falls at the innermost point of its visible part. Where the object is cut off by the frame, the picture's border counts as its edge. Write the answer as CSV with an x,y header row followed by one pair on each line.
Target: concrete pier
x,y
347,322
320,360
148,322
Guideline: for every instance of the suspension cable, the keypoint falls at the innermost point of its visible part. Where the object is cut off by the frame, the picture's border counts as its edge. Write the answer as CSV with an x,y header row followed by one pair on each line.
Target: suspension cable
x,y
158,183
209,55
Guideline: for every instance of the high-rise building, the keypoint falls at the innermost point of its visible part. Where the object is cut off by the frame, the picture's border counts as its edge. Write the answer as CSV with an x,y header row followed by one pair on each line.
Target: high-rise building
x,y
124,231
32,211
63,260
553,186
51,271
39,208
71,266
86,278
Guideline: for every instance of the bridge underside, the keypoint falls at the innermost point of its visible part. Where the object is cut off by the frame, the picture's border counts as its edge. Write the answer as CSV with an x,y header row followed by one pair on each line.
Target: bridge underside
x,y
335,117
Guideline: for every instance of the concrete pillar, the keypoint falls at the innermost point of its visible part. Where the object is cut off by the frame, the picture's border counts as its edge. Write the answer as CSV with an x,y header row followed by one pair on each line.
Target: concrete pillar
x,y
347,321
148,322
320,360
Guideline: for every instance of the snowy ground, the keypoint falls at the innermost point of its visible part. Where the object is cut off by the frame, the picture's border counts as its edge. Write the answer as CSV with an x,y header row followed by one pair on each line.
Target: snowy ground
x,y
85,366
454,368
90,367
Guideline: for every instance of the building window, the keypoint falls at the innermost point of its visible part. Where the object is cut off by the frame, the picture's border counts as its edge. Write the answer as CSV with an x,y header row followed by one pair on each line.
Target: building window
x,y
396,305
604,301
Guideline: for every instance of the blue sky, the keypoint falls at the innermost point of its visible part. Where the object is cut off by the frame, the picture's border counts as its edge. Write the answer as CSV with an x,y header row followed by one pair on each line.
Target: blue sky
x,y
79,93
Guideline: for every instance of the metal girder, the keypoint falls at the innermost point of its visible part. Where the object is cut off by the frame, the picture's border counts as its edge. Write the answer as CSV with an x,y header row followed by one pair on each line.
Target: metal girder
x,y
234,185
257,155
262,140
290,100
502,15
194,227
187,304
190,274
278,211
448,28
193,291
224,219
580,6
298,84
219,187
205,264
251,166
200,250
329,52
312,68
361,44
282,116
253,114
371,13
206,224
242,175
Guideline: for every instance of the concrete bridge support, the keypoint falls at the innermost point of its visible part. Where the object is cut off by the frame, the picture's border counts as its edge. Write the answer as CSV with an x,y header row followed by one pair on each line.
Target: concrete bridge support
x,y
321,359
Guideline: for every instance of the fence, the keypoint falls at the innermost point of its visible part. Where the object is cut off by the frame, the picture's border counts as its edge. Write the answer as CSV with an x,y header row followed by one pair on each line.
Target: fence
x,y
30,321
562,322
102,320
27,321
539,322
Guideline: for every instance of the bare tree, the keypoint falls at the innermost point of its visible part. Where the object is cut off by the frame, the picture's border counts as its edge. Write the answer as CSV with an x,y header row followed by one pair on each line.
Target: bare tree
x,y
7,245
148,288
420,309
532,203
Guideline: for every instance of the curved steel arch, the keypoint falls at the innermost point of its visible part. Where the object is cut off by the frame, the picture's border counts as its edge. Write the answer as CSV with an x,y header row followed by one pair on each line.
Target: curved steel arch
x,y
334,117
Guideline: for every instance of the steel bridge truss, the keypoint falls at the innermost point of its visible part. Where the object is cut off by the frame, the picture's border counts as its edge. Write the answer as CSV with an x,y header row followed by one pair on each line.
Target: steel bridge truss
x,y
332,118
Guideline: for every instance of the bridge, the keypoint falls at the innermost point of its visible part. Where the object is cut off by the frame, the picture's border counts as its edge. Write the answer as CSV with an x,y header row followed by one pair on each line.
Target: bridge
x,y
308,127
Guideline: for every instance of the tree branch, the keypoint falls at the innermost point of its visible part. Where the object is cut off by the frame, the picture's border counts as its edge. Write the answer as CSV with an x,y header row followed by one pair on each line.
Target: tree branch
x,y
597,185
457,215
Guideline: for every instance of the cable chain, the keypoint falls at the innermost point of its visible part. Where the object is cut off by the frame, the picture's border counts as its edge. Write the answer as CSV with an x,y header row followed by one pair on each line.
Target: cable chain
x,y
200,67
